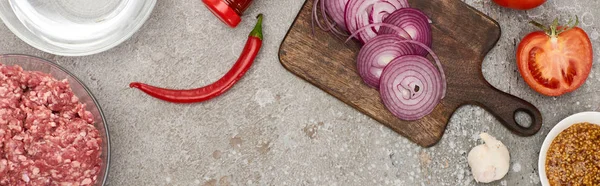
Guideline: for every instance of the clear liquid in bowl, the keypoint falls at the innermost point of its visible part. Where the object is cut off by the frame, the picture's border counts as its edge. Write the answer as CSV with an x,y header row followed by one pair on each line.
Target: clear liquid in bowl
x,y
72,22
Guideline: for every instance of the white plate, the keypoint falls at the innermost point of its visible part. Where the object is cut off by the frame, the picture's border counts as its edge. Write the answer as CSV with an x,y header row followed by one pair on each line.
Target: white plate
x,y
590,117
75,27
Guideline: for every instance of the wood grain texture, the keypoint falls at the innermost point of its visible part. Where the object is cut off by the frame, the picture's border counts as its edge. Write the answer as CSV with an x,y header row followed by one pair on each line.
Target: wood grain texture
x,y
462,36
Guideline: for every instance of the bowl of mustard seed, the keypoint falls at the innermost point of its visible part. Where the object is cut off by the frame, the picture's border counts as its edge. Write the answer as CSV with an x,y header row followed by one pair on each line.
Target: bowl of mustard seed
x,y
570,154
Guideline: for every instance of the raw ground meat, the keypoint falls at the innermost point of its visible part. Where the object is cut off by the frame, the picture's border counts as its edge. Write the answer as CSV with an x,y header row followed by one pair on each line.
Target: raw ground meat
x,y
46,135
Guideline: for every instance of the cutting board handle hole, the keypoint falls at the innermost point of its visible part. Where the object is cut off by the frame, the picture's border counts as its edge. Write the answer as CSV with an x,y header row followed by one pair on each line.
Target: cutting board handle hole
x,y
523,118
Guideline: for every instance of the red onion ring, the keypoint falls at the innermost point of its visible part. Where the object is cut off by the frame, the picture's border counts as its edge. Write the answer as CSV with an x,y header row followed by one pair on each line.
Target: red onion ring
x,y
414,22
360,13
399,30
315,16
411,87
437,62
335,9
423,46
377,53
329,26
336,32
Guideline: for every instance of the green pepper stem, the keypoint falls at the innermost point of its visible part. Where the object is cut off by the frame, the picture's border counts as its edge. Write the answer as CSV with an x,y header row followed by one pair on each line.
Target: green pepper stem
x,y
257,31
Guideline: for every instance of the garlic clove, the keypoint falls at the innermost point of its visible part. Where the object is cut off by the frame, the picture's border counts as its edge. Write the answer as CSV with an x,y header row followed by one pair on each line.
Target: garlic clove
x,y
490,161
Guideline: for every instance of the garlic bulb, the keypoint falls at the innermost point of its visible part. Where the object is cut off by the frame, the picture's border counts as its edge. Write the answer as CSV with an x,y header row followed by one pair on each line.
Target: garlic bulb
x,y
490,161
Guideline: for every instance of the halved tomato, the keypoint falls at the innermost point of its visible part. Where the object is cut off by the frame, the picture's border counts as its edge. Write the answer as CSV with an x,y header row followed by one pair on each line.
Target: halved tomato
x,y
557,61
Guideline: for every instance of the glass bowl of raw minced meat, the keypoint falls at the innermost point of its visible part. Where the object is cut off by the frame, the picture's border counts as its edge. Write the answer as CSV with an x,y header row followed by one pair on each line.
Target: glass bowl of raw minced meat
x,y
52,130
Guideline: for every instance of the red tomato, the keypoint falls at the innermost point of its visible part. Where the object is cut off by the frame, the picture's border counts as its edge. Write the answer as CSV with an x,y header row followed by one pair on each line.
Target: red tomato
x,y
520,4
555,65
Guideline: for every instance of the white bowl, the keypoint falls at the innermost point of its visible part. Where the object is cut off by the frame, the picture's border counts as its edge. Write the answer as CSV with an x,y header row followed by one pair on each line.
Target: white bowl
x,y
75,27
590,117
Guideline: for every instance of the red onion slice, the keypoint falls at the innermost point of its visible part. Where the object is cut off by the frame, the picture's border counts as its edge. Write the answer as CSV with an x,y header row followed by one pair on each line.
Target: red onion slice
x,y
377,53
414,22
360,13
315,16
411,87
335,9
398,30
437,62
380,11
336,32
423,46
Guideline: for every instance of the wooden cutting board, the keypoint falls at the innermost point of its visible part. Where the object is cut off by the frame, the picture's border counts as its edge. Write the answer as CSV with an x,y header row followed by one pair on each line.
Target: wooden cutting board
x,y
462,36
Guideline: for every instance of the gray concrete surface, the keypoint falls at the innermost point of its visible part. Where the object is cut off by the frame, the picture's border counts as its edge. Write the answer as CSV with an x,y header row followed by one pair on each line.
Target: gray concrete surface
x,y
275,129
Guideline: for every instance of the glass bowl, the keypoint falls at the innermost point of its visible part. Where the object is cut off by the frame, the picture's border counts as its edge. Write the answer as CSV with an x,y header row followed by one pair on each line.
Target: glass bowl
x,y
31,63
75,27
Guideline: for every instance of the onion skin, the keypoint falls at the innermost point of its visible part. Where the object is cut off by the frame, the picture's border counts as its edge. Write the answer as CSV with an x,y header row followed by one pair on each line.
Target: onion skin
x,y
411,87
414,22
377,53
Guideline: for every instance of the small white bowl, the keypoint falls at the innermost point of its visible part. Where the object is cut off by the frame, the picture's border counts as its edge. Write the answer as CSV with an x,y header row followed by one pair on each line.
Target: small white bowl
x,y
590,117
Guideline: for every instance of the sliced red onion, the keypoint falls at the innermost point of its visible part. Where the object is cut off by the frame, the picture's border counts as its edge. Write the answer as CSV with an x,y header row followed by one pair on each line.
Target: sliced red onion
x,y
414,22
328,25
335,9
437,62
423,46
315,16
411,87
398,30
377,53
335,30
360,13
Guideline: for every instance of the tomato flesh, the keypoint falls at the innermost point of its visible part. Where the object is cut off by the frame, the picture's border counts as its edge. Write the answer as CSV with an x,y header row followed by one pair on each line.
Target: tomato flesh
x,y
556,65
520,4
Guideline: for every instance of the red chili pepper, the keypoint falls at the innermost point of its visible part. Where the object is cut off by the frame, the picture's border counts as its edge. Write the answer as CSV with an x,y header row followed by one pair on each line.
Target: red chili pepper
x,y
219,87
